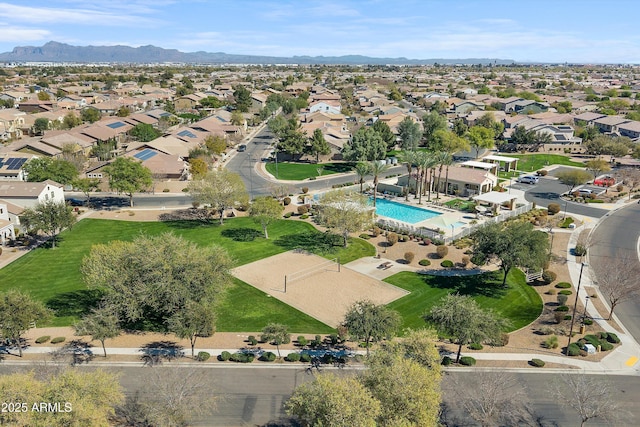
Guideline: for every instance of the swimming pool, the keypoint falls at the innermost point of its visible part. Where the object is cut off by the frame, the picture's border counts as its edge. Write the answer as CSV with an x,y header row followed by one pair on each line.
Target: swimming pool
x,y
404,213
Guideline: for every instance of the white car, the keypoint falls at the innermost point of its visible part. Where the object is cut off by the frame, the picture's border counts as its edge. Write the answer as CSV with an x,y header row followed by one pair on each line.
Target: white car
x,y
585,192
528,179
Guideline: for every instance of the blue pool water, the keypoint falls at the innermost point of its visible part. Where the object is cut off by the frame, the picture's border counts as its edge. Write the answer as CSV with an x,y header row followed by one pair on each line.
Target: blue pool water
x,y
459,224
401,212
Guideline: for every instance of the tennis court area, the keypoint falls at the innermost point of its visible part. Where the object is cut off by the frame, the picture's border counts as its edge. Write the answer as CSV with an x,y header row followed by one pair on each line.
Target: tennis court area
x,y
315,286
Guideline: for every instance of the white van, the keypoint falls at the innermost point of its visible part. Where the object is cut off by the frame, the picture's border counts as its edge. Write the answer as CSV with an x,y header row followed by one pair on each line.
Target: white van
x,y
528,179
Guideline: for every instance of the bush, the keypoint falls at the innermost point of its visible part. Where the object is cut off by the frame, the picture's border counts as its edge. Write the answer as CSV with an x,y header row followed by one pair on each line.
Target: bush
x,y
605,346
305,358
292,357
551,292
562,308
466,260
537,363
593,340
286,201
612,338
268,356
409,256
573,350
501,341
252,340
288,214
567,317
242,357
446,263
424,262
305,216
365,236
562,299
57,340
377,231
446,361
542,172
43,339
548,276
203,356
328,358
467,361
563,285
553,208
165,190
224,356
558,316
302,341
475,346
551,342
426,241
303,209
580,250
442,251
305,190
392,238
588,322
565,292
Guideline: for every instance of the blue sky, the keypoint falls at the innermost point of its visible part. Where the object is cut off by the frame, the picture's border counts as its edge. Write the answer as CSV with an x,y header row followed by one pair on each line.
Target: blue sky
x,y
539,30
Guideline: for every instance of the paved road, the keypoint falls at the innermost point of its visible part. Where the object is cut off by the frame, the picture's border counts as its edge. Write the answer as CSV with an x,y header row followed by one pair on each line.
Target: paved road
x,y
618,236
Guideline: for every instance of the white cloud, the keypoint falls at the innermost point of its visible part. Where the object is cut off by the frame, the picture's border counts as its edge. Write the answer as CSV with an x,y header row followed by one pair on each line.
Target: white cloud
x,y
16,34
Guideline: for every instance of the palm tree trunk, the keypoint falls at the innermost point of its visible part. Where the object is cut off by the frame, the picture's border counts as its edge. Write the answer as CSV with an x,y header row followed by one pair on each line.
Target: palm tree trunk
x,y
446,181
438,183
375,190
429,179
419,189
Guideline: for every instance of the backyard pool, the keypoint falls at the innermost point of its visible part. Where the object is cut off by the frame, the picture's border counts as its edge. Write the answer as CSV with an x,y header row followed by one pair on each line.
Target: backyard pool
x,y
404,213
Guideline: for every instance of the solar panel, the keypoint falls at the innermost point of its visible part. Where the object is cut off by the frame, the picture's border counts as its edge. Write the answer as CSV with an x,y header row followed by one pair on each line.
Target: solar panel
x,y
115,125
145,154
186,133
16,163
1,160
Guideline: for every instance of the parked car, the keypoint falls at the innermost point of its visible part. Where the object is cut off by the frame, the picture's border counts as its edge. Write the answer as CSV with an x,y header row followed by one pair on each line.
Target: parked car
x,y
584,192
75,202
604,181
528,179
241,148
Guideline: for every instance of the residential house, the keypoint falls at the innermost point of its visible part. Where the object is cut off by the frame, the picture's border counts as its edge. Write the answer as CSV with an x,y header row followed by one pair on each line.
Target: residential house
x,y
463,182
36,106
161,165
465,106
11,166
29,194
630,129
188,102
7,230
587,118
609,124
330,107
12,123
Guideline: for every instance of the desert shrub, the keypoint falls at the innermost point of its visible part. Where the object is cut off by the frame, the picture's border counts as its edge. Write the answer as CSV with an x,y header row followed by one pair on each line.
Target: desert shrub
x,y
548,276
426,241
303,209
562,299
558,316
305,357
573,350
551,342
563,285
565,292
268,356
612,338
305,216
202,356
446,361
288,214
466,260
467,361
224,356
392,239
242,357
553,208
43,339
403,238
542,172
302,341
424,262
592,339
409,256
475,346
286,201
292,357
545,331
567,317
551,292
365,236
580,250
502,340
605,346
252,340
537,363
588,322
447,263
57,340
305,190
377,231
442,251
563,308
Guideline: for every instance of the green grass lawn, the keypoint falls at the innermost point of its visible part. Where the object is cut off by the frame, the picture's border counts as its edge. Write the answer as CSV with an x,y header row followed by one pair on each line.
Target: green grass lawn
x,y
461,205
520,303
534,162
300,171
53,275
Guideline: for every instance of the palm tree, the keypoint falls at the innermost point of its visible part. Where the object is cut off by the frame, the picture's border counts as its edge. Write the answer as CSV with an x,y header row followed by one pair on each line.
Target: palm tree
x,y
409,159
426,161
378,167
441,158
362,169
448,162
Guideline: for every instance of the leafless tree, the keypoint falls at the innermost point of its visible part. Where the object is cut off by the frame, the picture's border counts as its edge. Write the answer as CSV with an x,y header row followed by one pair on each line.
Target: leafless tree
x,y
618,280
590,397
631,178
493,398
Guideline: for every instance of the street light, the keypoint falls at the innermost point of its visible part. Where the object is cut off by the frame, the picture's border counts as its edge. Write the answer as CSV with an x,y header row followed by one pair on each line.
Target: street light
x,y
575,305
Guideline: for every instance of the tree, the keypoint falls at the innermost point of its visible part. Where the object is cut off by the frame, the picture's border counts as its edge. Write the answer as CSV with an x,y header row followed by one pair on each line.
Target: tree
x,y
264,211
573,178
242,98
43,96
221,190
370,322
86,398
318,145
50,217
144,132
489,121
195,319
459,127
40,169
18,312
153,277
590,398
597,166
215,144
40,125
431,123
293,139
127,175
513,244
480,137
87,186
410,134
277,125
334,401
123,112
102,324
362,170
377,168
618,281
71,120
366,144
90,114
346,212
277,334
73,154
385,133
198,167
237,119
461,318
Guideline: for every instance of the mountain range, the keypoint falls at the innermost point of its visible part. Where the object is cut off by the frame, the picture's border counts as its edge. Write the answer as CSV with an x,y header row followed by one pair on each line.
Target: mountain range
x,y
61,52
